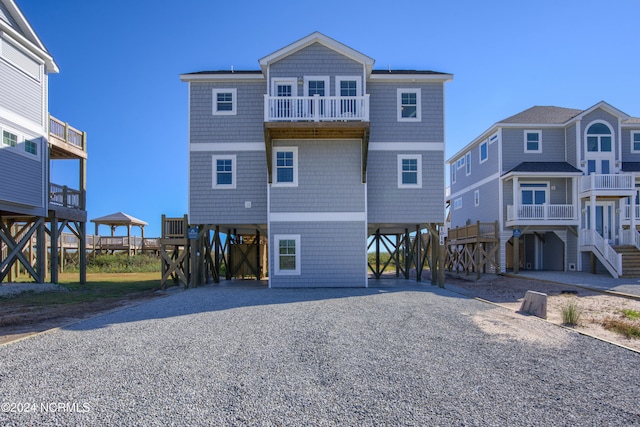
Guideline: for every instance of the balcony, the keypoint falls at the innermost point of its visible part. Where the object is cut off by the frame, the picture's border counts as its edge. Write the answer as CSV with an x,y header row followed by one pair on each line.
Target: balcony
x,y
66,142
316,108
607,185
541,215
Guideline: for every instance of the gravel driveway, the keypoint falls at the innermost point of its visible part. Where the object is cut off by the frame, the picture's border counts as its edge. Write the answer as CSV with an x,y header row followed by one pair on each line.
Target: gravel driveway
x,y
409,355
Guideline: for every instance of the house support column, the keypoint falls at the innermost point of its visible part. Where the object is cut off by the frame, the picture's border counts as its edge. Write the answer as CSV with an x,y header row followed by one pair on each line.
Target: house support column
x,y
54,249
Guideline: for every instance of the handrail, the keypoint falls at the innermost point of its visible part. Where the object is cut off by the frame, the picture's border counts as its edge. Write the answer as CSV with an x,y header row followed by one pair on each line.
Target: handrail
x,y
631,237
542,212
61,195
66,133
601,247
607,182
477,230
316,108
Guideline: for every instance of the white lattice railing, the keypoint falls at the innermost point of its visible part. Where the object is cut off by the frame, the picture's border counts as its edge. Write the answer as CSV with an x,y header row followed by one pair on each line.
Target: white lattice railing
x,y
609,258
316,108
607,182
541,212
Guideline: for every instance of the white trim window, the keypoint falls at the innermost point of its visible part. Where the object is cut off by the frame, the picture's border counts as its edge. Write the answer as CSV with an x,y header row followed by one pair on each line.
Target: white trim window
x,y
483,151
457,204
468,157
476,198
31,147
460,162
409,105
534,193
348,87
533,141
409,170
287,261
635,141
454,173
9,139
285,165
224,102
224,172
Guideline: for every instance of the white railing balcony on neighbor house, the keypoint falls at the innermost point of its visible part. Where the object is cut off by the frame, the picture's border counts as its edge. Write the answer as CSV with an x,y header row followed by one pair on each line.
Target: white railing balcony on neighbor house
x,y
627,213
316,108
541,213
607,182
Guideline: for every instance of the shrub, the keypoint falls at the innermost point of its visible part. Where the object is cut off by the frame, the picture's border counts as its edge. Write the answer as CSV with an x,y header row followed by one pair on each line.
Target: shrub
x,y
622,326
571,314
631,314
122,263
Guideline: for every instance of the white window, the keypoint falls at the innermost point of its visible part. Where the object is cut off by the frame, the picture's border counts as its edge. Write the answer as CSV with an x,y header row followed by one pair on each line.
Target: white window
x,y
599,138
224,172
287,261
532,141
454,173
224,101
410,171
468,157
460,163
348,87
476,198
9,139
409,105
285,166
635,141
534,193
457,203
484,152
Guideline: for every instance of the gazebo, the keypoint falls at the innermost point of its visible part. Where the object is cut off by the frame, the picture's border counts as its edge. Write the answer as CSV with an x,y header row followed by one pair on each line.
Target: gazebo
x,y
121,243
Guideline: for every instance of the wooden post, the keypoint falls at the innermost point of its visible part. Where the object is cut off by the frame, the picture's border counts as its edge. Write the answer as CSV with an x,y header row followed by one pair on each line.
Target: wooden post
x,y
216,254
516,255
407,253
397,255
258,260
82,251
435,249
54,249
41,256
377,237
193,248
418,253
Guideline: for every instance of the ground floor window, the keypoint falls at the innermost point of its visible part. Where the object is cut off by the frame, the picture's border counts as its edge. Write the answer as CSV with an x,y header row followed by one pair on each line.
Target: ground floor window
x,y
288,256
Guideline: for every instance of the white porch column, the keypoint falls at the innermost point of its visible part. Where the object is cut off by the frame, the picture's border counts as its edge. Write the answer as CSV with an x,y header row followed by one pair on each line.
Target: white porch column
x,y
516,199
592,219
575,201
632,215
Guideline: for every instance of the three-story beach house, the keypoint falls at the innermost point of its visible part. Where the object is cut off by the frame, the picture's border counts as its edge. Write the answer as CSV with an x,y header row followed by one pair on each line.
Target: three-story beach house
x,y
33,210
316,151
562,184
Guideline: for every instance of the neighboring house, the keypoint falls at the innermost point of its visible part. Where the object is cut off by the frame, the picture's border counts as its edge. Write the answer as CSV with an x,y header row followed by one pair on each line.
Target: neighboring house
x,y
564,178
33,211
317,151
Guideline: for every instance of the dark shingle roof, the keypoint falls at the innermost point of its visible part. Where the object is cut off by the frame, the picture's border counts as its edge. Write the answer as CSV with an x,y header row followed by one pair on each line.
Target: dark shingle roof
x,y
226,72
542,115
545,167
406,72
630,166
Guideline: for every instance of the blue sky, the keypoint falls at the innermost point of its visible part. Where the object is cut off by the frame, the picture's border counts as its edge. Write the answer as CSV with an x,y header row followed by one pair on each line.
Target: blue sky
x,y
120,63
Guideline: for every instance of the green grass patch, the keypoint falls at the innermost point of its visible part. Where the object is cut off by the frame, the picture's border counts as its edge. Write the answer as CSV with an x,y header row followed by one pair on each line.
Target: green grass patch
x,y
631,314
121,263
571,314
99,286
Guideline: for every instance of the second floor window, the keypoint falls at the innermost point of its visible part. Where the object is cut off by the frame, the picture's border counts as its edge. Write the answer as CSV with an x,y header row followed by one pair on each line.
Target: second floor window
x,y
409,171
532,141
599,138
224,175
484,152
9,138
286,166
635,142
409,105
224,101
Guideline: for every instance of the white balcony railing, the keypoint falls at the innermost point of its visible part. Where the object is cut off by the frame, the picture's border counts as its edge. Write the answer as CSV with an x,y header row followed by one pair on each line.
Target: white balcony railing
x,y
627,212
316,108
541,212
604,182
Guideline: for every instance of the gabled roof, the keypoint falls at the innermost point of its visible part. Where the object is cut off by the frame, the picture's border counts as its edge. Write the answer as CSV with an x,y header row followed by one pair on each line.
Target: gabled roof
x,y
119,218
323,40
16,26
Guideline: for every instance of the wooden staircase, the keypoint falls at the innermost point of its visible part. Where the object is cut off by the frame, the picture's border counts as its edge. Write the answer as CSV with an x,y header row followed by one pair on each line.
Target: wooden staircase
x,y
630,260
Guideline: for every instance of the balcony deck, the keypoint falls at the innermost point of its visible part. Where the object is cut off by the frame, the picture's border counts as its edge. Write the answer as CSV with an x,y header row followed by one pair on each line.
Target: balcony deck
x,y
66,142
613,185
541,215
316,108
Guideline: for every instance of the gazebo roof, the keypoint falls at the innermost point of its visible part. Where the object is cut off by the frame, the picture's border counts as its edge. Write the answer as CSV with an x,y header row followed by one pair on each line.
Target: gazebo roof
x,y
119,218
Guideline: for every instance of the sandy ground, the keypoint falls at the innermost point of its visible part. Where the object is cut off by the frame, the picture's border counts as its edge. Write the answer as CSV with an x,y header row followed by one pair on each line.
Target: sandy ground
x,y
509,292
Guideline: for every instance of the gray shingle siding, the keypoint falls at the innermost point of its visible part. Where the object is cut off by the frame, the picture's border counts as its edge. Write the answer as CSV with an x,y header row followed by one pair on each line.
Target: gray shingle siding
x,y
329,178
213,206
513,152
627,155
317,60
487,211
388,203
333,254
22,178
20,93
571,147
245,126
384,107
